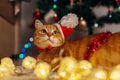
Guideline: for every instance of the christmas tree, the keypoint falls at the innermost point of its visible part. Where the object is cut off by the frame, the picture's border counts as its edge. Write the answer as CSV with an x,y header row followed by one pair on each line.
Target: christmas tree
x,y
84,9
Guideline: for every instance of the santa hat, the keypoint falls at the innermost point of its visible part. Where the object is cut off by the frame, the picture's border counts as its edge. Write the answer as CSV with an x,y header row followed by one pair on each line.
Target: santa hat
x,y
67,24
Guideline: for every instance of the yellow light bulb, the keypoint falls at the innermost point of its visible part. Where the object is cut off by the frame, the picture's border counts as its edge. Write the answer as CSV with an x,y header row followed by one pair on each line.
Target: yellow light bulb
x,y
74,76
68,64
8,63
84,67
4,71
29,62
62,74
97,74
42,70
114,74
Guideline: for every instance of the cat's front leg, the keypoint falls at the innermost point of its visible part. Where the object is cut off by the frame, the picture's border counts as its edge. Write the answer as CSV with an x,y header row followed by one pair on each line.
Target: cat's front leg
x,y
56,60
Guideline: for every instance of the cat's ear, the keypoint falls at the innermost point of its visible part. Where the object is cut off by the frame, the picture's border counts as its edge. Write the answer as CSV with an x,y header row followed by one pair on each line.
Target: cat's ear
x,y
38,23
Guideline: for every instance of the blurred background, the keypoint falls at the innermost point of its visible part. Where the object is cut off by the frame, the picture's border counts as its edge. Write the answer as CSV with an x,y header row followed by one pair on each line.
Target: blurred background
x,y
17,21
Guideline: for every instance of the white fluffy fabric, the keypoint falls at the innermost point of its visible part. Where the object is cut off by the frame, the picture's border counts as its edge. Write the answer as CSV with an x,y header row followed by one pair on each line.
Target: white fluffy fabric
x,y
70,20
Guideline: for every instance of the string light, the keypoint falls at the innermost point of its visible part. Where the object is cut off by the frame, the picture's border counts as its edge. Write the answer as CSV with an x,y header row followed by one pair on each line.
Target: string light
x,y
54,0
54,6
96,25
21,56
31,39
110,16
23,50
119,7
26,46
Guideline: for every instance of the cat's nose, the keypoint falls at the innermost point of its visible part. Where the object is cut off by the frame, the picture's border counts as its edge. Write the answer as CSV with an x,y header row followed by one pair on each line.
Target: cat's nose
x,y
49,34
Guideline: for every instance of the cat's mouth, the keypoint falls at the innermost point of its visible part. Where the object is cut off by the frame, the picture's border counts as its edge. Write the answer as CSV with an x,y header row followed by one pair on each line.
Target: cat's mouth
x,y
48,40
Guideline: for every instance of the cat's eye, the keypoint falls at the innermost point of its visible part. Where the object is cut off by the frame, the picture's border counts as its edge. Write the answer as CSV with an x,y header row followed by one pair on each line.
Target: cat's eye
x,y
55,32
44,31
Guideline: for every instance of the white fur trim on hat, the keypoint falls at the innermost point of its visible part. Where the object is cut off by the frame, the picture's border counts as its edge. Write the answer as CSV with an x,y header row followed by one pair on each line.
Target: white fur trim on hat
x,y
70,20
59,28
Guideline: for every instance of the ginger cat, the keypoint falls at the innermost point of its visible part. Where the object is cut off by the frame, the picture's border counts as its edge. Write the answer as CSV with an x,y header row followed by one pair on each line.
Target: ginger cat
x,y
49,38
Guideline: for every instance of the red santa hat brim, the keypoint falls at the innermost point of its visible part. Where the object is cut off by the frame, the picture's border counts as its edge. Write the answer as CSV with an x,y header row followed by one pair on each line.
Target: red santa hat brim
x,y
65,32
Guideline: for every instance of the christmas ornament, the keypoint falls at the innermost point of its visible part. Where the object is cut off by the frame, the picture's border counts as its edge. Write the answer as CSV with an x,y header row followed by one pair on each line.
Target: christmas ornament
x,y
82,23
8,63
55,17
110,10
29,62
84,67
118,2
97,74
50,17
42,70
37,14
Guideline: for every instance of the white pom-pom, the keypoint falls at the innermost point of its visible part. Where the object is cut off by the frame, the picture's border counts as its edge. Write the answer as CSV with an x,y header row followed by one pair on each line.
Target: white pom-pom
x,y
70,20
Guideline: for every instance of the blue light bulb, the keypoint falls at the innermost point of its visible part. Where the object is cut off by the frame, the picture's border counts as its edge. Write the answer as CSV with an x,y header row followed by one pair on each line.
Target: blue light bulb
x,y
23,50
54,0
29,44
110,15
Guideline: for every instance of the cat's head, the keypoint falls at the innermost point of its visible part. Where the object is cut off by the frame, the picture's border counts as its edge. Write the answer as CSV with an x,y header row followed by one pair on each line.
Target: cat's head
x,y
54,34
47,35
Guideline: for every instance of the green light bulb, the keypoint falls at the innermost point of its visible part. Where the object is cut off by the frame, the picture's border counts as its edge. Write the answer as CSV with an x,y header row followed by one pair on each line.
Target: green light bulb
x,y
21,56
54,6
26,46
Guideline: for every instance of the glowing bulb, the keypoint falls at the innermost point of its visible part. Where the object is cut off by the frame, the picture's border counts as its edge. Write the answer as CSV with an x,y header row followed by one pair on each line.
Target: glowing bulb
x,y
29,63
118,7
96,25
26,46
54,6
54,0
8,63
98,74
21,56
31,39
114,74
29,44
110,15
23,50
84,67
4,72
62,74
42,70
68,64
